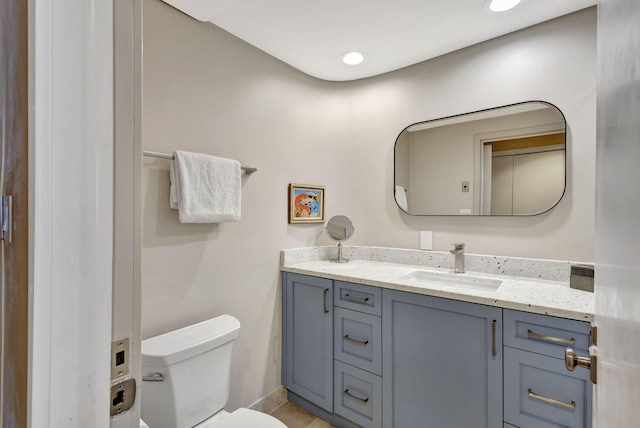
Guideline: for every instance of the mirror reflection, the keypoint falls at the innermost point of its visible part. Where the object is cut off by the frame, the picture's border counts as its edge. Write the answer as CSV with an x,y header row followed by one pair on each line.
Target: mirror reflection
x,y
507,161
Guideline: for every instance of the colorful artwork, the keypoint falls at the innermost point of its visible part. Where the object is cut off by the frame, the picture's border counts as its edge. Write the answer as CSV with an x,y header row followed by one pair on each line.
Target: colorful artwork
x,y
306,204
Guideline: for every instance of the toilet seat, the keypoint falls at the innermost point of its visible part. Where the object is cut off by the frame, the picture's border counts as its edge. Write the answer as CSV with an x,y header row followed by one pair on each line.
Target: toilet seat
x,y
242,418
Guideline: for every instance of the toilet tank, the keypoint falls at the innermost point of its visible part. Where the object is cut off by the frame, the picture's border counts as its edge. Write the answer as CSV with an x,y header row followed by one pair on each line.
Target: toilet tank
x,y
195,364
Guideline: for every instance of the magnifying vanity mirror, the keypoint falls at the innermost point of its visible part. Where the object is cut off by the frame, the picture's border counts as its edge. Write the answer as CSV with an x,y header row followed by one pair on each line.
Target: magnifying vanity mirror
x,y
340,228
506,161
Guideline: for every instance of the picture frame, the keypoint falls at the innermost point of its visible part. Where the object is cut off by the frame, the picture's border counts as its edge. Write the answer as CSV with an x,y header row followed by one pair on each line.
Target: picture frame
x,y
306,203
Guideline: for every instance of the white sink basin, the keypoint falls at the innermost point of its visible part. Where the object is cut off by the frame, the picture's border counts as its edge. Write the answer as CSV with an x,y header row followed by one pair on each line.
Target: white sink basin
x,y
460,280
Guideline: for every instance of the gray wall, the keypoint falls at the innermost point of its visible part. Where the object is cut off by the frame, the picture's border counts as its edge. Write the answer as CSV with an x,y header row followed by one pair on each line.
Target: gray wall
x,y
207,91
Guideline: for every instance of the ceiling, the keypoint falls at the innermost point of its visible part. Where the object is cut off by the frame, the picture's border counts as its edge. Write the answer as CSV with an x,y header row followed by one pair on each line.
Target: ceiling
x,y
312,35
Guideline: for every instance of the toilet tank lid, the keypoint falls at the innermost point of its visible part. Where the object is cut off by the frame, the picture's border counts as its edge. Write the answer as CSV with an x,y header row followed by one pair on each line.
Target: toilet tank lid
x,y
174,346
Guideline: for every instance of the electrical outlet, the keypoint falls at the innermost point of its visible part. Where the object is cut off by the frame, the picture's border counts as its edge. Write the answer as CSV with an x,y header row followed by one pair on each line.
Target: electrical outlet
x,y
426,240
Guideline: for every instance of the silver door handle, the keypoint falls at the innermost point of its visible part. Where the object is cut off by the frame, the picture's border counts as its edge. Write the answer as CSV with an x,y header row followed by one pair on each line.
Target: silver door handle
x,y
572,360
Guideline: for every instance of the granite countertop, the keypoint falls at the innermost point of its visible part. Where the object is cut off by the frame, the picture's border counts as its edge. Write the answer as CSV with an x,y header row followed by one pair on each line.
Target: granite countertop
x,y
531,285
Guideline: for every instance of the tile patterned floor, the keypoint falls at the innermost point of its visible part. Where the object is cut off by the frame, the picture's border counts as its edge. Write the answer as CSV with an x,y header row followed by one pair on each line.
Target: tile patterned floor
x,y
295,417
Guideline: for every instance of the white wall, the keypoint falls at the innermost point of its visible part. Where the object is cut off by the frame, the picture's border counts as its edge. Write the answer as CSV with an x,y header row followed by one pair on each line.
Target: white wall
x,y
205,90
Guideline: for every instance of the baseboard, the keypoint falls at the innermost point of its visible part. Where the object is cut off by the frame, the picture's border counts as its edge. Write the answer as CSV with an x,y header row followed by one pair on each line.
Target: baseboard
x,y
271,401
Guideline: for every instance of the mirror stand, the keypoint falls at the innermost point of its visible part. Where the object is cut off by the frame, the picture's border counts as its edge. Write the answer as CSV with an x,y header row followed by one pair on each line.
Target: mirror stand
x,y
339,259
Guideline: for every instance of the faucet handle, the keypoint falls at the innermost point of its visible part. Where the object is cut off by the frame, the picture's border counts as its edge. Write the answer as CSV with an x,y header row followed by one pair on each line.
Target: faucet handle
x,y
458,246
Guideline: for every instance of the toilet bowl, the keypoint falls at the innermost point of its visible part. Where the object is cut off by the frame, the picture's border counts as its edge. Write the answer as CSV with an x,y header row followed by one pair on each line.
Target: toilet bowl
x,y
186,377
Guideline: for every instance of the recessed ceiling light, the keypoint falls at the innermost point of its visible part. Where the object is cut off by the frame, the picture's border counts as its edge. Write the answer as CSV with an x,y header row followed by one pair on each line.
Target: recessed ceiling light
x,y
503,5
353,58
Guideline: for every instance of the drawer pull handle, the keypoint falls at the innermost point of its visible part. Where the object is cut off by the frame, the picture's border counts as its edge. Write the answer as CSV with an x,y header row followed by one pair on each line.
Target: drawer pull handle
x,y
348,394
355,298
571,341
324,301
352,340
570,406
493,339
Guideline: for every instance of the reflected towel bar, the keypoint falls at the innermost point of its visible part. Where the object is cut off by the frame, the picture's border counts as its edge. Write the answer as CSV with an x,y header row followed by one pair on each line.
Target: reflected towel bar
x,y
247,170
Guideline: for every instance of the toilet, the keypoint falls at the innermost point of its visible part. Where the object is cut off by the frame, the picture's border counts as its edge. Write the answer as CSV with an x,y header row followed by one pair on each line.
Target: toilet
x,y
186,379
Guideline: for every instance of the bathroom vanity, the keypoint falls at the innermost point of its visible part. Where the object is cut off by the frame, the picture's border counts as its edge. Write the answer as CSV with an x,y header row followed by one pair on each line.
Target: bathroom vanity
x,y
392,339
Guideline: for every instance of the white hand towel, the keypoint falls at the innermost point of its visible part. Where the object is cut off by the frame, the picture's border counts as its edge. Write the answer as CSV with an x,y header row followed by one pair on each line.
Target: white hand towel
x,y
174,188
401,198
207,188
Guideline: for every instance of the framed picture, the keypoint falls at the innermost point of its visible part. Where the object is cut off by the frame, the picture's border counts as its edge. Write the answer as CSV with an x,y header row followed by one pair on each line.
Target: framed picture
x,y
306,203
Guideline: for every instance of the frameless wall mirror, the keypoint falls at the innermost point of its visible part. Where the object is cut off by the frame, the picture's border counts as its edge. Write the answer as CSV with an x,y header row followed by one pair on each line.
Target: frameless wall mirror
x,y
507,161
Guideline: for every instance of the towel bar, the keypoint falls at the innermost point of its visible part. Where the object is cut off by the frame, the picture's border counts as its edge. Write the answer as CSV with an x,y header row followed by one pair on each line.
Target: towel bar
x,y
247,170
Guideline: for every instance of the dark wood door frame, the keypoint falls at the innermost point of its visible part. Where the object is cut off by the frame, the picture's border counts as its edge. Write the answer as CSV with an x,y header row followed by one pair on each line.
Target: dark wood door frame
x,y
15,257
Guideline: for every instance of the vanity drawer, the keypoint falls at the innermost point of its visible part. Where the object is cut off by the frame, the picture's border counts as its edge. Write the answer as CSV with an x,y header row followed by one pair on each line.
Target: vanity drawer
x,y
539,392
358,339
357,395
545,334
362,298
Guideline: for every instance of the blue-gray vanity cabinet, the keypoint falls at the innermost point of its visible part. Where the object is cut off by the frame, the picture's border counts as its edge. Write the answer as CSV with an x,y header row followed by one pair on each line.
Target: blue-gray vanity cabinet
x,y
307,367
442,362
539,391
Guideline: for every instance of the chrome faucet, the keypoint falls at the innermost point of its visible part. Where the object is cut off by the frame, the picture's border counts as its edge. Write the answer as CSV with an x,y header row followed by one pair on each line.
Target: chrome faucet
x,y
458,252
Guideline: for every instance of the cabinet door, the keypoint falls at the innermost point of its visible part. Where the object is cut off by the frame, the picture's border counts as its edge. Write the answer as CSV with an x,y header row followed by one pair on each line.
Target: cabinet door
x,y
308,338
442,362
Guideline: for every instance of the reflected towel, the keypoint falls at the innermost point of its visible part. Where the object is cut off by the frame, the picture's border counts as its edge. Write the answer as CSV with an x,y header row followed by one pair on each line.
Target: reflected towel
x,y
401,198
205,189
